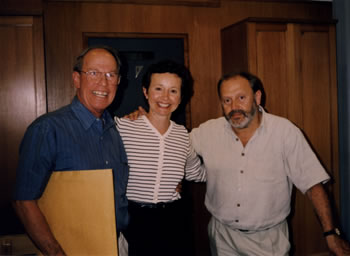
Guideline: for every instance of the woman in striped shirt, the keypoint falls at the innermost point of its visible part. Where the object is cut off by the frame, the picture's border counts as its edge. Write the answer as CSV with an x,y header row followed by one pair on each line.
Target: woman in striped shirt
x,y
159,156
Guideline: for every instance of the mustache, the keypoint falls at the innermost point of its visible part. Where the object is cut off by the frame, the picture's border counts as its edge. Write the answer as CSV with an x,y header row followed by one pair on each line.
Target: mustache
x,y
235,111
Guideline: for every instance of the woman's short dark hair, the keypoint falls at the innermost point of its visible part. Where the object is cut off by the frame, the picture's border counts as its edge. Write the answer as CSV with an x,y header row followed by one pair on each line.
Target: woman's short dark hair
x,y
80,59
172,67
254,82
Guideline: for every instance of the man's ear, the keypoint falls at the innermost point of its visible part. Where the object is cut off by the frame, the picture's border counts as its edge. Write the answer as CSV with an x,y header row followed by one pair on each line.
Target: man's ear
x,y
76,79
145,92
257,97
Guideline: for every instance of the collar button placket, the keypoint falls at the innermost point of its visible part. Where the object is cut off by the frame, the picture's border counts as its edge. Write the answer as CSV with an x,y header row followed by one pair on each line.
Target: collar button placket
x,y
160,168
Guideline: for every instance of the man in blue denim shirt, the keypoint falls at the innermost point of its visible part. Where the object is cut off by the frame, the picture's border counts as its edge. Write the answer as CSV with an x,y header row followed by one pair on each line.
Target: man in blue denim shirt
x,y
79,136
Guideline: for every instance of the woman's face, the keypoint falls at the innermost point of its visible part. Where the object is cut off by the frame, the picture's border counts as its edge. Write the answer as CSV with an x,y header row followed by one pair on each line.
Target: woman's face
x,y
163,94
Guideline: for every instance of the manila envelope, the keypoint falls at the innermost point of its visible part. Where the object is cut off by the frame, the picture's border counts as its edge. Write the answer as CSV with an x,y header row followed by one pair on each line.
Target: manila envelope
x,y
79,207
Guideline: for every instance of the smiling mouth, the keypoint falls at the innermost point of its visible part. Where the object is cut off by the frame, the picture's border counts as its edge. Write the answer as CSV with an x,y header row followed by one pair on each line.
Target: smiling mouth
x,y
163,105
100,94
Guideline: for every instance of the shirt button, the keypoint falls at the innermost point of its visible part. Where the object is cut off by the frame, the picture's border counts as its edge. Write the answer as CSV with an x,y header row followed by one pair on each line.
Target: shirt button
x,y
242,154
101,138
241,171
238,205
106,162
236,220
237,139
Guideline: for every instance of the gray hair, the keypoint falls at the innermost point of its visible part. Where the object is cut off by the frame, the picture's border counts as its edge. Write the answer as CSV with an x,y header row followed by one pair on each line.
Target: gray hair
x,y
80,59
254,82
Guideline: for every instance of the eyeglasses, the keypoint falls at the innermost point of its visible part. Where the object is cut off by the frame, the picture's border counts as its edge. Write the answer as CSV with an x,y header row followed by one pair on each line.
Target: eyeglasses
x,y
96,75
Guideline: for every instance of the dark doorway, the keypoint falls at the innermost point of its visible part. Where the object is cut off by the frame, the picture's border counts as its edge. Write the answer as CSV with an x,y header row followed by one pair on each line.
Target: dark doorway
x,y
137,53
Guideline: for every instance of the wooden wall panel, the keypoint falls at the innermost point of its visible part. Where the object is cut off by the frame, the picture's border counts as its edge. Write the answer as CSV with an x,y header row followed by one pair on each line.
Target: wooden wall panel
x,y
205,3
23,96
335,172
316,81
319,125
270,48
205,65
21,7
233,11
65,24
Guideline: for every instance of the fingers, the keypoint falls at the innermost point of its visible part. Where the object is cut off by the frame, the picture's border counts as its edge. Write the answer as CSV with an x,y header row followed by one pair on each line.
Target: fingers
x,y
179,187
134,115
142,111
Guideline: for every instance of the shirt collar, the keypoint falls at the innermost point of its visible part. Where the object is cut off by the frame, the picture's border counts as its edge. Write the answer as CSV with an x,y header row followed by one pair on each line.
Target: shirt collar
x,y
262,125
87,118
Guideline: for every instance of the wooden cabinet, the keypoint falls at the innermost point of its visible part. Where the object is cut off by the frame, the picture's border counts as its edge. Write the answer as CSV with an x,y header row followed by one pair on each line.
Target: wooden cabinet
x,y
296,61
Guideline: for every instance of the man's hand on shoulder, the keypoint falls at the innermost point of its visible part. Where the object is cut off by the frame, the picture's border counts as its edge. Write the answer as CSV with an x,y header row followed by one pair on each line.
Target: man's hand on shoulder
x,y
134,115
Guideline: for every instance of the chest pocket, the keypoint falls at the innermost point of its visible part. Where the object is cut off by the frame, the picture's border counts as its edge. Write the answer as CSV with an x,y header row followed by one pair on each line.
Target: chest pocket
x,y
268,168
65,160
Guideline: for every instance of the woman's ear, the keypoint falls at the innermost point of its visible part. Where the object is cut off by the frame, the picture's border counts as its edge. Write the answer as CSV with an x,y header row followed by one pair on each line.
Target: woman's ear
x,y
145,92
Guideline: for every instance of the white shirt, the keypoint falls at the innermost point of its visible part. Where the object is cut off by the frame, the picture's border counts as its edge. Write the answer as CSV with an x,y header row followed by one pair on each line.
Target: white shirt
x,y
157,162
250,187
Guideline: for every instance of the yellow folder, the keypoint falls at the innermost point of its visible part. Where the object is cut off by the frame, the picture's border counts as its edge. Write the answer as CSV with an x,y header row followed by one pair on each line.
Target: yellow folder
x,y
79,207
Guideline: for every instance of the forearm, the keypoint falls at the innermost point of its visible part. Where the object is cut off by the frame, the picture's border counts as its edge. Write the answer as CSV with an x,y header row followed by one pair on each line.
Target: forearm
x,y
321,204
320,201
37,227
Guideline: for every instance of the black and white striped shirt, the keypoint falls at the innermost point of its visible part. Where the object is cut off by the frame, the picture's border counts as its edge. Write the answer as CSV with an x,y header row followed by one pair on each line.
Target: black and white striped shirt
x,y
157,162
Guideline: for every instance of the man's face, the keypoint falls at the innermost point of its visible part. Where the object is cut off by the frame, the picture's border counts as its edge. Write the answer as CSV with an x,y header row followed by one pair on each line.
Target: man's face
x,y
96,93
238,101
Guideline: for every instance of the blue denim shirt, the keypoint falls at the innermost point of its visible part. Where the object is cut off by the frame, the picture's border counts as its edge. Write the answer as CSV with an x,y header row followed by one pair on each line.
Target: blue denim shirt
x,y
72,138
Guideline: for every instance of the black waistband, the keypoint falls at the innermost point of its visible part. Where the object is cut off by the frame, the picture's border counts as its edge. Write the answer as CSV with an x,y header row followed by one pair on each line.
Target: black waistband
x,y
161,205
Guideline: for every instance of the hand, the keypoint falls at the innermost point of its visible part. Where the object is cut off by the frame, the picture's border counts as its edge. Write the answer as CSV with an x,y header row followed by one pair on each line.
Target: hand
x,y
337,245
134,115
179,187
37,227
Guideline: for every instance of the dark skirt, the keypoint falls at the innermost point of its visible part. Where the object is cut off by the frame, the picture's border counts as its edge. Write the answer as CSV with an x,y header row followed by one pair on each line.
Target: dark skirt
x,y
159,229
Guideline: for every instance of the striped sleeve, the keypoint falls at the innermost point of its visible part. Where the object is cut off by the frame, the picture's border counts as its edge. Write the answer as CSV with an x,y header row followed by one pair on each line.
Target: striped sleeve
x,y
194,169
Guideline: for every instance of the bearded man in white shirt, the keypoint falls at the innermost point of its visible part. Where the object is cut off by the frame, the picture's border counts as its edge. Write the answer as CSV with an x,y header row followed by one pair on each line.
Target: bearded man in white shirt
x,y
252,162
